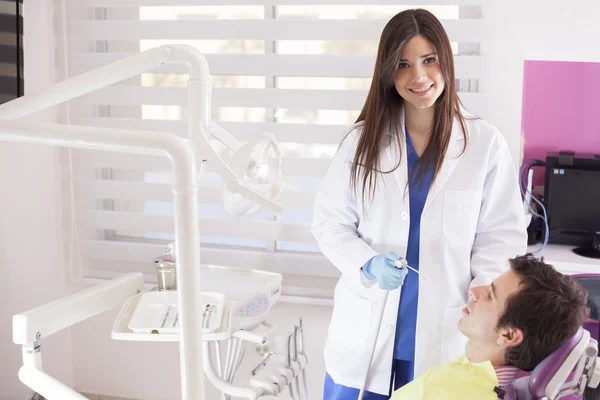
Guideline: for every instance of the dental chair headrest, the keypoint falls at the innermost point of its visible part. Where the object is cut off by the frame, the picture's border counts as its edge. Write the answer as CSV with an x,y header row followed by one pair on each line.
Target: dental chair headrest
x,y
548,378
547,371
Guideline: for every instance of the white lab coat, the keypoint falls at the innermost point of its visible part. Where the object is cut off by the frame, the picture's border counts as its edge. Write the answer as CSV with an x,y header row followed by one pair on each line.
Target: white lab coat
x,y
472,222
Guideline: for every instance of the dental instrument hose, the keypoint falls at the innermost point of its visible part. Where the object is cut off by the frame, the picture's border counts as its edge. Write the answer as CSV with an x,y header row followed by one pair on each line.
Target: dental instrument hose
x,y
401,263
529,163
379,318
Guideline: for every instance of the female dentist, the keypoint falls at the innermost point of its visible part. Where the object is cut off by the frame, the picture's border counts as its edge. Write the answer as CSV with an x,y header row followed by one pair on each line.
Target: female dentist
x,y
418,178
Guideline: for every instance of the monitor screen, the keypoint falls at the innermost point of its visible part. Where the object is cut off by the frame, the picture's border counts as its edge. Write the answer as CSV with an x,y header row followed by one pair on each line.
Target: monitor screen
x,y
573,202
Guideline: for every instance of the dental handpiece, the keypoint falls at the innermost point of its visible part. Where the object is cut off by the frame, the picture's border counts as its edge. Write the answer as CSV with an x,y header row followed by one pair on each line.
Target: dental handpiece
x,y
402,263
263,363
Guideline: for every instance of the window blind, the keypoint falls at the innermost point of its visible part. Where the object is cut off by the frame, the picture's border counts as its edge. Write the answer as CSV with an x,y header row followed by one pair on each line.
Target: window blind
x,y
298,69
11,50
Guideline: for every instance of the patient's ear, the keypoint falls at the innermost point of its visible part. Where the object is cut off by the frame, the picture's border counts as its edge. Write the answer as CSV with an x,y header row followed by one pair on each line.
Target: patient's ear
x,y
510,337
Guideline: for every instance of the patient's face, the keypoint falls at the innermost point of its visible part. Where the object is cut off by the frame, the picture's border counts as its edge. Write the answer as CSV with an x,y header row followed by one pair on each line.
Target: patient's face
x,y
480,317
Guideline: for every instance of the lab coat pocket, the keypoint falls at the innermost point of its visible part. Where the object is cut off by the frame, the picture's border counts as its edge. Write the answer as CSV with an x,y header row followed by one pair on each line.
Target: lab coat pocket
x,y
460,214
349,326
453,341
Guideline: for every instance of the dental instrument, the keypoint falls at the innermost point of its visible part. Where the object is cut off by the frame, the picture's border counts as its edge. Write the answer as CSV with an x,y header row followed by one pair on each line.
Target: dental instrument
x,y
263,363
289,365
302,353
403,264
297,359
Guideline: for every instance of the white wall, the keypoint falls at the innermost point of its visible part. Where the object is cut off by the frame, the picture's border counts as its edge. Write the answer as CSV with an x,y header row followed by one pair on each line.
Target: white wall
x,y
30,231
534,30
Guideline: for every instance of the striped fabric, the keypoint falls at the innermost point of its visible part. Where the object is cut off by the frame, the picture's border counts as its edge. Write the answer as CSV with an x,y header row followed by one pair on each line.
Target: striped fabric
x,y
11,49
506,374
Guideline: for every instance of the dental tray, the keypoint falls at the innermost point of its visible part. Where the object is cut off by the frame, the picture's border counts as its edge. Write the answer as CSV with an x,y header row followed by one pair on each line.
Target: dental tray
x,y
241,299
156,312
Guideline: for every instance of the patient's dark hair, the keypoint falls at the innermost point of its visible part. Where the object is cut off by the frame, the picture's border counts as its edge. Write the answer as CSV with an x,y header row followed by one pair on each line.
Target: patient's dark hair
x,y
548,308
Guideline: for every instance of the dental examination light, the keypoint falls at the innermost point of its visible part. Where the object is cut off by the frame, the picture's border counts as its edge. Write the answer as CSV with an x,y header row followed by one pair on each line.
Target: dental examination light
x,y
252,180
259,163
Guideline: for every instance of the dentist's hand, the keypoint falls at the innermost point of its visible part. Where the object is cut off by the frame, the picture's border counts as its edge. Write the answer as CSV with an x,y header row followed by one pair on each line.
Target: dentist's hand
x,y
382,268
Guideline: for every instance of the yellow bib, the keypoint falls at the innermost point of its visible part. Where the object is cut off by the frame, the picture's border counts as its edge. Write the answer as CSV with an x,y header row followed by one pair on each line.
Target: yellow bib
x,y
456,380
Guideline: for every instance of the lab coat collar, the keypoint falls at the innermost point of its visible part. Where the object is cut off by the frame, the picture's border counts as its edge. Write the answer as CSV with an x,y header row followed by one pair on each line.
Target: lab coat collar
x,y
453,156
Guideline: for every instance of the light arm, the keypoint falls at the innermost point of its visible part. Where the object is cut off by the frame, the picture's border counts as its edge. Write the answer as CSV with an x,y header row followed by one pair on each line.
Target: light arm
x,y
85,83
106,75
63,313
224,137
47,386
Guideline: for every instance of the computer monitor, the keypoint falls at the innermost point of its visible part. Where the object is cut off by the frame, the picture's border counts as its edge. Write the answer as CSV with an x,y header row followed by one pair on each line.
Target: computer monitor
x,y
572,201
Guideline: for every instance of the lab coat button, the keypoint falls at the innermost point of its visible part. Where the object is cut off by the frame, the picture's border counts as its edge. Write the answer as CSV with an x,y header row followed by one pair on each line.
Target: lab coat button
x,y
404,215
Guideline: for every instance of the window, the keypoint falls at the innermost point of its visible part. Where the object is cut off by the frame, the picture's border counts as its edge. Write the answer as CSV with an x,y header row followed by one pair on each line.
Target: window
x,y
301,72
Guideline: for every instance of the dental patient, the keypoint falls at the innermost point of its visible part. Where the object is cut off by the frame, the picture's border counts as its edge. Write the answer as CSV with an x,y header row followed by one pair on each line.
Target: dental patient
x,y
512,325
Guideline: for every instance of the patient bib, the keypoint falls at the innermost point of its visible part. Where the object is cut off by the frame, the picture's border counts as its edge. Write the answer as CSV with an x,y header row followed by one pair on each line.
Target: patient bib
x,y
456,380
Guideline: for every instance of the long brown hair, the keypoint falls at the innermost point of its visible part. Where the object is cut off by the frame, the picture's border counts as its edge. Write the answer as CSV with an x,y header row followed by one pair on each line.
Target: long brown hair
x,y
382,107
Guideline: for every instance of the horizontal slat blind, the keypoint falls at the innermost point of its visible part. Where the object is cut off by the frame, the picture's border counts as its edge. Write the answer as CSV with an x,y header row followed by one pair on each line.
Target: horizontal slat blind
x,y
136,3
111,189
225,97
261,98
302,167
243,131
298,69
141,222
305,264
458,30
326,65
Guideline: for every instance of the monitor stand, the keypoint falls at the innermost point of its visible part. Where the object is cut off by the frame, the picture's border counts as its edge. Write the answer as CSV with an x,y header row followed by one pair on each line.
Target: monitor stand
x,y
590,252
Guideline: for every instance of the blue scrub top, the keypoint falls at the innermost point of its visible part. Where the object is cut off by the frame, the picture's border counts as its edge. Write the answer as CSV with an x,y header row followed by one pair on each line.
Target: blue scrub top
x,y
406,327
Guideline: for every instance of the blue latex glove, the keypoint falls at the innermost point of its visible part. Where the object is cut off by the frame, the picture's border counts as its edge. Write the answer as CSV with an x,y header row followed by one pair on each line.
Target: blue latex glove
x,y
382,268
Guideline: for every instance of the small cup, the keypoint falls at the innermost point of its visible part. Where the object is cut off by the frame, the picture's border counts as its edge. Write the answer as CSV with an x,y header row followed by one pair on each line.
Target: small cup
x,y
166,272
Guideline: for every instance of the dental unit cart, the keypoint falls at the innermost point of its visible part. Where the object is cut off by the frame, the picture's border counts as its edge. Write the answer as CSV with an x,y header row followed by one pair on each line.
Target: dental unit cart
x,y
204,305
